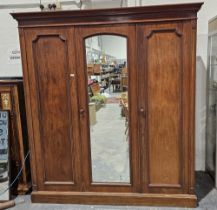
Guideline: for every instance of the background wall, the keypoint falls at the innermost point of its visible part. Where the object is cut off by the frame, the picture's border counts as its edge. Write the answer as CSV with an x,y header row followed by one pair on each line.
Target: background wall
x,y
109,43
10,64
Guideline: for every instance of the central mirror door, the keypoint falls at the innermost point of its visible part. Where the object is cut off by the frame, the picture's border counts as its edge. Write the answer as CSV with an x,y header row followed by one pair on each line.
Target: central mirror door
x,y
107,107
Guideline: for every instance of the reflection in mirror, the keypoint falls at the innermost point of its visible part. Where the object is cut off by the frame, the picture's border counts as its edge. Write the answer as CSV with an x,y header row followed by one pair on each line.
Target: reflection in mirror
x,y
4,157
106,57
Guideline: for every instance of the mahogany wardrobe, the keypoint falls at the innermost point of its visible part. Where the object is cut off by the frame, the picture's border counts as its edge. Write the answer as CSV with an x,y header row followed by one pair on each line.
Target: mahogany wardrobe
x,y
160,111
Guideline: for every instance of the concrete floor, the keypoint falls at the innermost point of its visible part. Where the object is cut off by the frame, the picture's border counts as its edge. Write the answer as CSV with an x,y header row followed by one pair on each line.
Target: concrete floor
x,y
207,203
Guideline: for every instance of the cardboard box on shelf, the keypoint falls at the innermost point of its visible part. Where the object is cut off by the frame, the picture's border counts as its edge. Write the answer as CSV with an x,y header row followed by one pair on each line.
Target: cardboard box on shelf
x,y
97,68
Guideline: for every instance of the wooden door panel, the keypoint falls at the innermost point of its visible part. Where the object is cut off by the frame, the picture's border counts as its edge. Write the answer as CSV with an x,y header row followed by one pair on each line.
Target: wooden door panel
x,y
162,97
54,106
54,110
164,108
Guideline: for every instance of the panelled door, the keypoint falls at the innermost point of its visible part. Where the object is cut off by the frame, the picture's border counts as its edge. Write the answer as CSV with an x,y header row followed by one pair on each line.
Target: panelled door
x,y
164,96
109,140
53,101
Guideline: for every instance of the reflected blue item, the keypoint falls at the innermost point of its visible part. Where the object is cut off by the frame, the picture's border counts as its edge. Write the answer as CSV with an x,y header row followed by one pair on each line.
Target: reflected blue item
x,y
3,136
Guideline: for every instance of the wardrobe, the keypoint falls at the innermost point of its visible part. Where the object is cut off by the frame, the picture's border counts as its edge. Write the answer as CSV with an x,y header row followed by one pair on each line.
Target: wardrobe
x,y
161,55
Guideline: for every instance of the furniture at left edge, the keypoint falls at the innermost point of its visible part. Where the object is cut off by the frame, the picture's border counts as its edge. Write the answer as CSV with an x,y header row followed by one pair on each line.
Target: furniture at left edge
x,y
12,99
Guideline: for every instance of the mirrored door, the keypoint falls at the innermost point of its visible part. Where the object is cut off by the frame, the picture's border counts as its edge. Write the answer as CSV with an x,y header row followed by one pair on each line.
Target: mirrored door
x,y
106,111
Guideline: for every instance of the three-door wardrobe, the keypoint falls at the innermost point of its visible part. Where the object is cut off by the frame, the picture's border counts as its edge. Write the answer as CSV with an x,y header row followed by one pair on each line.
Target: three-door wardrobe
x,y
105,128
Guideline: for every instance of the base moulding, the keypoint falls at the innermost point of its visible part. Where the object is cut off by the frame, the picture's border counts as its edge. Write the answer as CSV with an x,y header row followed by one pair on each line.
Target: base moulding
x,y
175,200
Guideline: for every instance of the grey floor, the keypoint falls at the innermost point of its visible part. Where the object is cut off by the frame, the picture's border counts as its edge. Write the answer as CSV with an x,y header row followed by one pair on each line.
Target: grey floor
x,y
24,203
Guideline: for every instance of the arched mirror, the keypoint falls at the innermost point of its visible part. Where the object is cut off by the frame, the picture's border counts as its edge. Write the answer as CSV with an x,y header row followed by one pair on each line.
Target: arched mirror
x,y
107,72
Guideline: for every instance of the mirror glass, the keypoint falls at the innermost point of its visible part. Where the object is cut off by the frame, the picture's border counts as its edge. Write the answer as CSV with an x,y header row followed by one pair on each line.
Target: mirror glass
x,y
211,122
107,72
4,157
